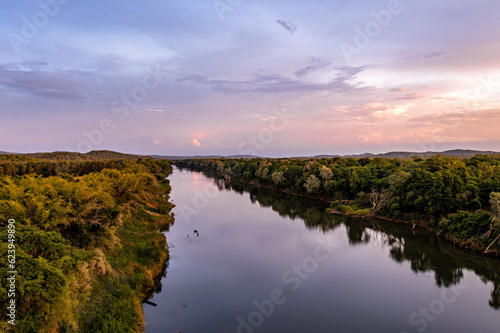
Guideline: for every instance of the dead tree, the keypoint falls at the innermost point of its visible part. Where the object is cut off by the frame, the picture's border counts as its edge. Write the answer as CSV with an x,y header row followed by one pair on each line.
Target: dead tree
x,y
487,249
379,199
495,220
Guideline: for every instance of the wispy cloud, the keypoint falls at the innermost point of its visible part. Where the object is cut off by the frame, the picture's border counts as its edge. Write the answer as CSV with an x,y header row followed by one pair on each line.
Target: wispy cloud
x,y
424,56
37,78
485,117
398,89
344,82
314,65
413,96
289,26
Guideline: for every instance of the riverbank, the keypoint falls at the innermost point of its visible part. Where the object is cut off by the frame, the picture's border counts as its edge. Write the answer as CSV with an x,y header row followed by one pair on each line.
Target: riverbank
x,y
143,256
286,191
454,197
88,242
159,268
470,244
467,244
420,223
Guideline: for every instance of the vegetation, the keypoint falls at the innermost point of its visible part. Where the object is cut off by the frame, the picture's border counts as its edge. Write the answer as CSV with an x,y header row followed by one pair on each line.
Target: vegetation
x,y
457,198
87,242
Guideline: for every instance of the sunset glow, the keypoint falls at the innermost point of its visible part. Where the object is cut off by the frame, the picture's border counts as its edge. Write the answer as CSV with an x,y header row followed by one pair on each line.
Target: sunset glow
x,y
350,77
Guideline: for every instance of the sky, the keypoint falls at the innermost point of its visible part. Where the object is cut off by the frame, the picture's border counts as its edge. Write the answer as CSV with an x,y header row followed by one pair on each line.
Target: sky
x,y
270,78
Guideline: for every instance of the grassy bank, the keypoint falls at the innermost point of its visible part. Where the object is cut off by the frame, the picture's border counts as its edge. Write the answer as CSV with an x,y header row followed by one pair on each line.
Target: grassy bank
x,y
87,242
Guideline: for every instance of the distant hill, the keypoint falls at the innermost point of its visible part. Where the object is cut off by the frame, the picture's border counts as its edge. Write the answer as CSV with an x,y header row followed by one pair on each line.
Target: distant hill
x,y
450,153
92,155
112,155
198,157
392,154
408,154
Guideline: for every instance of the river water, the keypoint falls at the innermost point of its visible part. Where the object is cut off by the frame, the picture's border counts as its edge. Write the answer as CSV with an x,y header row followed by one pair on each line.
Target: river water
x,y
248,260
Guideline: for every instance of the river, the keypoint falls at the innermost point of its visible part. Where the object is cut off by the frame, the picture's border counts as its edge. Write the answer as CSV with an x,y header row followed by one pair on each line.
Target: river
x,y
244,259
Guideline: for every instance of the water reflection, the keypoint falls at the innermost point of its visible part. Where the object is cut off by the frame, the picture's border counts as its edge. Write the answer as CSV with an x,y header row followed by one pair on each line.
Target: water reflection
x,y
424,251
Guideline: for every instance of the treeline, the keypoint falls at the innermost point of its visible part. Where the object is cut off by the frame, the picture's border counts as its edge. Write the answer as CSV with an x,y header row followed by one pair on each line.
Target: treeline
x,y
458,198
75,167
87,243
90,156
59,156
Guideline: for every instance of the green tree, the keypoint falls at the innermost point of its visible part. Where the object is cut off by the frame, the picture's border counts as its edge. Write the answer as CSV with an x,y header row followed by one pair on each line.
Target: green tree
x,y
278,177
397,181
325,173
312,184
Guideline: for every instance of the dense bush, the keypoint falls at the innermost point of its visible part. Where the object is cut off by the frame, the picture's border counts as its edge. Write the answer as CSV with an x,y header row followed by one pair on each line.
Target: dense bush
x,y
87,242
